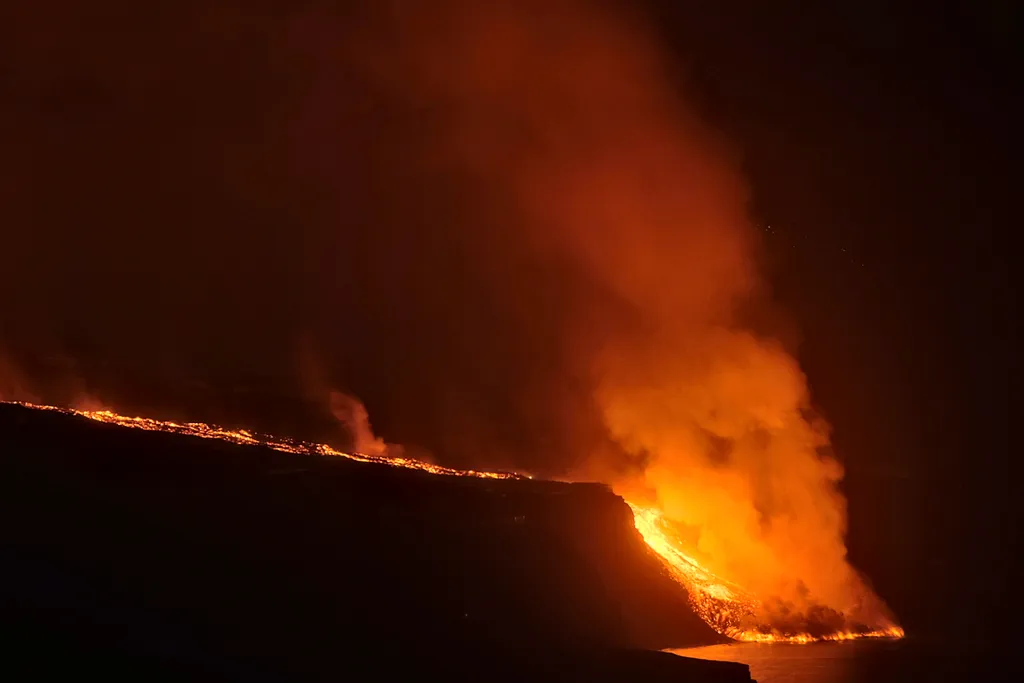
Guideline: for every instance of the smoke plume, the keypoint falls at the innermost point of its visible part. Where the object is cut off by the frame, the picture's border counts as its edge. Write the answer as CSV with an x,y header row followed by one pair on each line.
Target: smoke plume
x,y
566,117
501,222
352,415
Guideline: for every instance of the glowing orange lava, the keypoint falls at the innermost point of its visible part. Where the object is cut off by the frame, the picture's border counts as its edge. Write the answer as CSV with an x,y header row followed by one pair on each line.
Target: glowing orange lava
x,y
726,607
245,437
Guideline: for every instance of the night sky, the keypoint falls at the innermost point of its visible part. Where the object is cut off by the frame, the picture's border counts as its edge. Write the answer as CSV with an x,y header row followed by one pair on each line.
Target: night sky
x,y
202,193
878,138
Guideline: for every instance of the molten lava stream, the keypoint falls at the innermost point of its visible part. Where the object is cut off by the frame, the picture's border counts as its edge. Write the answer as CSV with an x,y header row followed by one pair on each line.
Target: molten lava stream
x,y
726,607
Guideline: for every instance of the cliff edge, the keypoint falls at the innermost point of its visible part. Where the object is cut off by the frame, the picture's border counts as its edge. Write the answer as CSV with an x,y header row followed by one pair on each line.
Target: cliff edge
x,y
129,549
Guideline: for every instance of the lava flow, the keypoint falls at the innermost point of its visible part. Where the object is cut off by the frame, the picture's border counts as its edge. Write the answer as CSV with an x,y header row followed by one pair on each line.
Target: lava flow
x,y
245,437
726,607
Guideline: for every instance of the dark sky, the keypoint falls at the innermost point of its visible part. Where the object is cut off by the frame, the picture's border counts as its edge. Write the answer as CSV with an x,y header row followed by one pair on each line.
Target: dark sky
x,y
191,192
880,142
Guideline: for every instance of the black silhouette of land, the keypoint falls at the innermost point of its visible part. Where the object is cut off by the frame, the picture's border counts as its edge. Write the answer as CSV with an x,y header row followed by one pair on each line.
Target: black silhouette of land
x,y
141,555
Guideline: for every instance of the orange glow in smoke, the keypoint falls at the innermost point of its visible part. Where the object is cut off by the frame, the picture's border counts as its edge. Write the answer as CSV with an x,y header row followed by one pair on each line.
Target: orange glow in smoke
x,y
726,607
571,114
551,149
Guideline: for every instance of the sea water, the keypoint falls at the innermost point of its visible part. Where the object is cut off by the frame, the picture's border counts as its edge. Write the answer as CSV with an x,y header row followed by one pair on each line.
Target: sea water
x,y
865,661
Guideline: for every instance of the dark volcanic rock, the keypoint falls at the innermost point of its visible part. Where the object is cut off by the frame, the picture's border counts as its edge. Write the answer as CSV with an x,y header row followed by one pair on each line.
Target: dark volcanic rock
x,y
137,549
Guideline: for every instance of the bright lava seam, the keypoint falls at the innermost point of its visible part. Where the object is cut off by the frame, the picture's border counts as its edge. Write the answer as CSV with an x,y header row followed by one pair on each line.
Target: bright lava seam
x,y
717,601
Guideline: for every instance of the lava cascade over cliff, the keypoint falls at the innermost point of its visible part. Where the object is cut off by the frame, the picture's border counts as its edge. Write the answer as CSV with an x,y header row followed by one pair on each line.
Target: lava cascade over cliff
x,y
726,607
523,189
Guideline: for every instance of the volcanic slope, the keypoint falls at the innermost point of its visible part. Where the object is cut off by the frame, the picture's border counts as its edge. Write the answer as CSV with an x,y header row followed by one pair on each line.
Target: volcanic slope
x,y
128,548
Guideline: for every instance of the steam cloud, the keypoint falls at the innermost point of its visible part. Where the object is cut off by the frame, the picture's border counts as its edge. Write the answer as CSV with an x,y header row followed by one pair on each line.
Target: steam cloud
x,y
501,226
566,110
351,413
